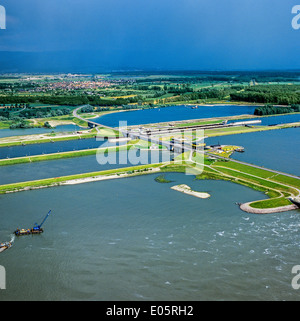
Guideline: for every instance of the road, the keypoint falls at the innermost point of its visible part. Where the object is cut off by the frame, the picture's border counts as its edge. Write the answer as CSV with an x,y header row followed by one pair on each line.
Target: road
x,y
75,114
188,147
184,147
252,165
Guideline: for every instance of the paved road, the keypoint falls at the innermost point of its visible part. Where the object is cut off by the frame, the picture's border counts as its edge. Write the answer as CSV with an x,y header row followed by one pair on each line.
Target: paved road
x,y
87,120
188,147
185,147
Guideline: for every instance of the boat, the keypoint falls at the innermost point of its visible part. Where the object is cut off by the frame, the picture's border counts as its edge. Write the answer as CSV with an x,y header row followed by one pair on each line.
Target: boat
x,y
37,229
22,232
4,246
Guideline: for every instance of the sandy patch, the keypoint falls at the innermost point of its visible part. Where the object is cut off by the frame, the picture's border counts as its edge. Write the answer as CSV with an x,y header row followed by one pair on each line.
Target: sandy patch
x,y
187,190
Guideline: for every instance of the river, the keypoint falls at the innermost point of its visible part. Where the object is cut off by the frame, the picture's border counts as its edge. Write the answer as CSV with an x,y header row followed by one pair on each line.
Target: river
x,y
36,131
274,149
85,164
173,113
135,239
55,147
177,113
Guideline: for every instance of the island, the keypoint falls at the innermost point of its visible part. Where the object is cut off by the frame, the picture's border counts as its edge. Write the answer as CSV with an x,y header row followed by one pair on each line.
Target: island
x,y
187,190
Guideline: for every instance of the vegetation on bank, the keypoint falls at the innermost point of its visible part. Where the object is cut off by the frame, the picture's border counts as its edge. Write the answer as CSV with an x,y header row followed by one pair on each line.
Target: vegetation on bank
x,y
56,137
162,179
243,129
51,182
51,139
278,94
24,104
271,203
271,110
38,101
43,97
277,187
56,156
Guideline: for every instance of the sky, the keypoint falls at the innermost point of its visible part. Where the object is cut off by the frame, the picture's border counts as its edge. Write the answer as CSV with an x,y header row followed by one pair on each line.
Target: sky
x,y
105,35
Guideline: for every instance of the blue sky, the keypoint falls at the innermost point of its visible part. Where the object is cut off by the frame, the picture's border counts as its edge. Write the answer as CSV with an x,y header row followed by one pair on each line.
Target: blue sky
x,y
149,34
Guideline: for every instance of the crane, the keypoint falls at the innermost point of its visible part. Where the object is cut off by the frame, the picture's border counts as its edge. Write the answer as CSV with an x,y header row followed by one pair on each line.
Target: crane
x,y
39,227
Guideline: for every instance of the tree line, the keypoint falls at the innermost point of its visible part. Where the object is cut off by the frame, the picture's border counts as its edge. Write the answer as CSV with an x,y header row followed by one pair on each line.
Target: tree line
x,y
273,94
271,110
34,112
67,100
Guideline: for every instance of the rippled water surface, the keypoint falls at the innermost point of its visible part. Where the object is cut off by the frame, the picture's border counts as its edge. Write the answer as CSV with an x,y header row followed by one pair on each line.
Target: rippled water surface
x,y
136,239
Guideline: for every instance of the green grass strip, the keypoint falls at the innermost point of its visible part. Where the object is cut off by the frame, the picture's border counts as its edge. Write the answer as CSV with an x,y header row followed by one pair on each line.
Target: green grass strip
x,y
245,168
271,203
256,180
135,170
56,156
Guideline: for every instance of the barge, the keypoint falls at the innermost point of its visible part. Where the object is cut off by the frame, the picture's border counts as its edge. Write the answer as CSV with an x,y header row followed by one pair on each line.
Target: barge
x,y
37,229
21,232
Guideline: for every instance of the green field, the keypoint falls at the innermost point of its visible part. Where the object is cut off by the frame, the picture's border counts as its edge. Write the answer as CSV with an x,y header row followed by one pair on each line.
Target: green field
x,y
27,100
277,187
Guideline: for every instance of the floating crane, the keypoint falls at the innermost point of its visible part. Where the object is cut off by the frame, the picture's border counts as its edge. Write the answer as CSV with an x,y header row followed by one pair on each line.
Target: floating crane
x,y
37,229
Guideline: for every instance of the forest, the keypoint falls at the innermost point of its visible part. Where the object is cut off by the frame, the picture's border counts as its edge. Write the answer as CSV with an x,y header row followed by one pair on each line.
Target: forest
x,y
68,100
271,110
269,94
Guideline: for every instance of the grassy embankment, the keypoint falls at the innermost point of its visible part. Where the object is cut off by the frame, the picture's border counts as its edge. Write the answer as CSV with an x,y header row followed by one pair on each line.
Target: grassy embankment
x,y
46,138
56,156
58,120
51,182
241,129
277,187
56,137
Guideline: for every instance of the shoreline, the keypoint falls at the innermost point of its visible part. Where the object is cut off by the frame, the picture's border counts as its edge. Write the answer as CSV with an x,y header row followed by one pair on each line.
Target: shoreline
x,y
246,207
44,138
104,178
81,178
40,139
62,155
127,173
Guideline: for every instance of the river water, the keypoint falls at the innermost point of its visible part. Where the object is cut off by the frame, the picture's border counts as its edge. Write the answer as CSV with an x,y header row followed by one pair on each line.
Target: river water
x,y
85,164
55,147
274,149
36,131
176,113
173,113
136,239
